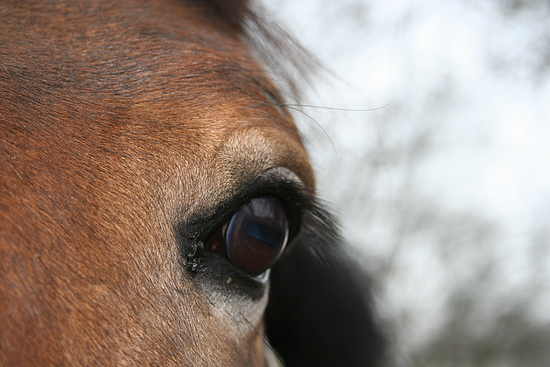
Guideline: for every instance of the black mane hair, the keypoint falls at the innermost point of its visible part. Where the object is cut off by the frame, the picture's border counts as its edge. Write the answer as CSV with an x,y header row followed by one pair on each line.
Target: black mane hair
x,y
319,313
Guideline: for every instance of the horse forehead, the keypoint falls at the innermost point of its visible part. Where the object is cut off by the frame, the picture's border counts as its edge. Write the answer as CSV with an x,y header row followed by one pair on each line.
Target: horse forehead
x,y
124,51
159,73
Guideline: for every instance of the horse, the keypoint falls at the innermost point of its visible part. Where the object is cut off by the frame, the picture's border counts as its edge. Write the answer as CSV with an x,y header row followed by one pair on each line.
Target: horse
x,y
157,205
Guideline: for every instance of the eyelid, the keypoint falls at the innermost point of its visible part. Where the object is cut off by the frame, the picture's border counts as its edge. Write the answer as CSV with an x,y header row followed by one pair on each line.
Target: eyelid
x,y
285,174
277,181
280,182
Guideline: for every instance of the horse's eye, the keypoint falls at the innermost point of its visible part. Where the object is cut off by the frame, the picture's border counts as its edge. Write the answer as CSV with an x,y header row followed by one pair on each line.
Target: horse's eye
x,y
255,236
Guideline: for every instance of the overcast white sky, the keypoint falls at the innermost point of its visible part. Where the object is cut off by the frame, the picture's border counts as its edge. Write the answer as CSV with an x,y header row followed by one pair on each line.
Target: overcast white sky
x,y
451,178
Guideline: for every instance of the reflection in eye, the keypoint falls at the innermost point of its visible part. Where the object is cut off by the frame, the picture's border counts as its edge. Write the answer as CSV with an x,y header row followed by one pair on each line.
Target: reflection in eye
x,y
255,236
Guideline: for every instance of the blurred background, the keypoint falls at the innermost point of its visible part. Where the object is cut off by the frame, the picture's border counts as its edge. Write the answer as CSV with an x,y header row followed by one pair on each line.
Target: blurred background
x,y
437,161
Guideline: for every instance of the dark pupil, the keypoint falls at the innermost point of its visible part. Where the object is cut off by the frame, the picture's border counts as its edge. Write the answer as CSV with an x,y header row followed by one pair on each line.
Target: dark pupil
x,y
257,234
266,234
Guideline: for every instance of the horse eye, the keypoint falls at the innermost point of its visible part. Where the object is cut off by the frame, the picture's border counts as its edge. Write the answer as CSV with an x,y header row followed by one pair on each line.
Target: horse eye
x,y
255,236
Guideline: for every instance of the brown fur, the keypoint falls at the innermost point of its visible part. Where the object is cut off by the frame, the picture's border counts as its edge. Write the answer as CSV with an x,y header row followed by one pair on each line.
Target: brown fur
x,y
117,120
